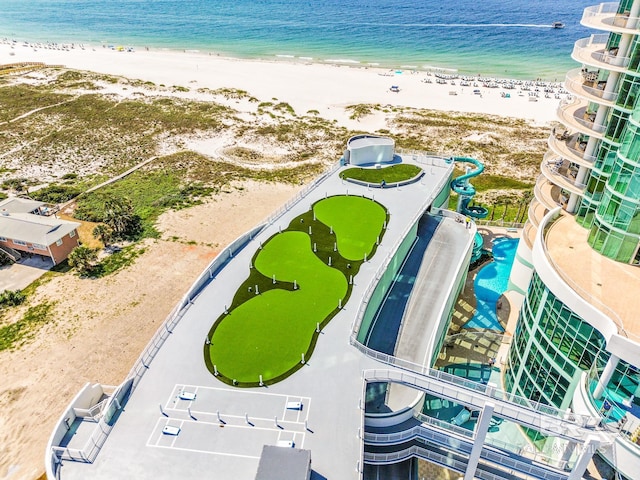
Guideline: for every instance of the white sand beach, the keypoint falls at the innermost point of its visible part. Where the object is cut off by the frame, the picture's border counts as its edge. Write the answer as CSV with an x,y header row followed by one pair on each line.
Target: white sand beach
x,y
304,85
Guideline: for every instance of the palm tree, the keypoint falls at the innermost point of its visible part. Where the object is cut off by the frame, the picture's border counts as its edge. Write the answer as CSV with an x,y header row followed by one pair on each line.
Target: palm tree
x,y
526,200
104,233
120,216
83,259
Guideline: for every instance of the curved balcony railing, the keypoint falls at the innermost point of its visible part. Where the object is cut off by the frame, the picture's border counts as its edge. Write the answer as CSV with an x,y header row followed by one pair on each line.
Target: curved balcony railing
x,y
573,113
537,211
580,83
545,193
529,234
592,299
606,17
555,169
567,146
592,51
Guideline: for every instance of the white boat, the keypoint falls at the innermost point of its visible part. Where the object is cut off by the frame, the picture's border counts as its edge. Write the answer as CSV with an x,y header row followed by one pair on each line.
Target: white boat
x,y
557,25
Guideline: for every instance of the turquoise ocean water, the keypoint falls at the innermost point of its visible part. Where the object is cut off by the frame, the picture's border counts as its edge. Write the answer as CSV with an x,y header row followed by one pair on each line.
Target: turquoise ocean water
x,y
506,38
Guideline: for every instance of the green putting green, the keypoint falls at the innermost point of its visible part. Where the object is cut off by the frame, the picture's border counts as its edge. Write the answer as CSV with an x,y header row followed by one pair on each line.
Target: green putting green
x,y
266,333
390,174
357,222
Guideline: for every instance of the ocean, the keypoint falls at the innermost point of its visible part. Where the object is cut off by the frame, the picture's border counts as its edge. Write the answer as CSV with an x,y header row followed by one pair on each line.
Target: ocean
x,y
504,38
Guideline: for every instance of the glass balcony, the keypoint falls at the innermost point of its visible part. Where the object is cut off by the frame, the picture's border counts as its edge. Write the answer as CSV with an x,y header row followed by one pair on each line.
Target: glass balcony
x,y
548,194
592,51
606,17
560,172
571,147
529,234
585,84
536,212
574,114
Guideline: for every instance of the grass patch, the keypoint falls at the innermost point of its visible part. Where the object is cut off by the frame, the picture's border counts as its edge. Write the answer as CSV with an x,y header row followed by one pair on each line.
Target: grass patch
x,y
14,335
390,174
150,193
266,333
19,99
116,261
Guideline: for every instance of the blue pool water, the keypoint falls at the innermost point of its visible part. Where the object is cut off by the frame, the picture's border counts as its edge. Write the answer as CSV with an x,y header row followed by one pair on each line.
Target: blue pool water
x,y
491,282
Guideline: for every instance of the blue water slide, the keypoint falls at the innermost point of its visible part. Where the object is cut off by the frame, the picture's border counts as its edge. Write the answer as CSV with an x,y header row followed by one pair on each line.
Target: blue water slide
x,y
462,187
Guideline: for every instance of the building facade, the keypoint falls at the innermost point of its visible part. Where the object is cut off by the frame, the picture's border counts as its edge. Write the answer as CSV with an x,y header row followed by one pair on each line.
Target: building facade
x,y
577,339
26,228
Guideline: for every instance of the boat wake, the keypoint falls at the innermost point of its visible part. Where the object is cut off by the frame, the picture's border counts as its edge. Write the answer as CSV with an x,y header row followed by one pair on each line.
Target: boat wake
x,y
461,25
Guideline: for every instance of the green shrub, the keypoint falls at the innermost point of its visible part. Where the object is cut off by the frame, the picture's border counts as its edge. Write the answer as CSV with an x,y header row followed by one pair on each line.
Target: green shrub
x,y
12,298
56,193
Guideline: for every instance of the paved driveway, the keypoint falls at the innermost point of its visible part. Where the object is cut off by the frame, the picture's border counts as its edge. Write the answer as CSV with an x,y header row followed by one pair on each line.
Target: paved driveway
x,y
21,275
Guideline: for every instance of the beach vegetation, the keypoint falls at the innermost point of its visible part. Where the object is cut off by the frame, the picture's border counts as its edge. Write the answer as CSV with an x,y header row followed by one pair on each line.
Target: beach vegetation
x,y
14,335
231,93
284,107
103,232
11,298
56,193
4,258
83,259
361,110
19,99
178,88
116,261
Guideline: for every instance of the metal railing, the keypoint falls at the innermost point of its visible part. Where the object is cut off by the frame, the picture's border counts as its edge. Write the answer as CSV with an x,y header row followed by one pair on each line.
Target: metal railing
x,y
89,451
592,48
621,431
433,457
551,163
576,83
608,13
300,195
466,390
366,296
170,322
562,145
567,112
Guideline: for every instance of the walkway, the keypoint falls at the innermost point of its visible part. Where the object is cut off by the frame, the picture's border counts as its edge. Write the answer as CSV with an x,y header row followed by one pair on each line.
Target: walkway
x,y
383,334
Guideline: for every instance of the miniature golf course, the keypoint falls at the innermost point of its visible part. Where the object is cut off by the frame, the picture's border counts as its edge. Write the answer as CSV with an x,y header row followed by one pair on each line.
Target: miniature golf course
x,y
267,332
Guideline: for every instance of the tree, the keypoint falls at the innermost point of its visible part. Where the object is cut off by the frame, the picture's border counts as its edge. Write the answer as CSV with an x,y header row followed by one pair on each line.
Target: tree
x,y
83,259
120,216
104,233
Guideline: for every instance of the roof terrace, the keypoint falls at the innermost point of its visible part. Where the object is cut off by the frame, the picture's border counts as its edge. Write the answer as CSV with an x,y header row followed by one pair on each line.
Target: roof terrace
x,y
182,421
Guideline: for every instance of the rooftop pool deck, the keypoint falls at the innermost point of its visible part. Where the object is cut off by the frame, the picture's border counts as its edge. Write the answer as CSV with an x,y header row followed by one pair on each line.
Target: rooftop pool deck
x,y
223,429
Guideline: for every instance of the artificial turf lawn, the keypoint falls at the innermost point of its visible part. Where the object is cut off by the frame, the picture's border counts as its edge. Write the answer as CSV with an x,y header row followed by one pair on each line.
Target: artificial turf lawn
x,y
266,334
390,174
356,234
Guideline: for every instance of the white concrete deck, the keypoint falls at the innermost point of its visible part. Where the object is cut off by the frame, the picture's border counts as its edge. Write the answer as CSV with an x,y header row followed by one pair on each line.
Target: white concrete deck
x,y
329,386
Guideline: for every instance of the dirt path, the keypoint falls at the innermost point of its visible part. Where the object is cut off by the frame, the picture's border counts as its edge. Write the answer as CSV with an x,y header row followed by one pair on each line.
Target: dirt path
x,y
36,110
102,325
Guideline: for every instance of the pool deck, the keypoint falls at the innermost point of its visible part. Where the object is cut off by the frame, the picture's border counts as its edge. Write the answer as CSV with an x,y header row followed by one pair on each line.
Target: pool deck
x,y
329,386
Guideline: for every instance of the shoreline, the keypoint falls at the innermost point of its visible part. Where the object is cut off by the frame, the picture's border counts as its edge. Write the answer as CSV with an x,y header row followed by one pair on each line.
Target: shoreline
x,y
308,86
434,63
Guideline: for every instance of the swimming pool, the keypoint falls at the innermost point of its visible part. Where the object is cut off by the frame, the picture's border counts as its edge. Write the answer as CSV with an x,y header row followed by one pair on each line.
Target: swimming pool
x,y
490,283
